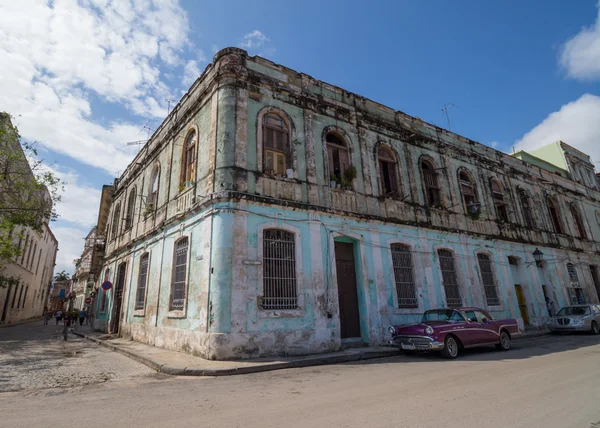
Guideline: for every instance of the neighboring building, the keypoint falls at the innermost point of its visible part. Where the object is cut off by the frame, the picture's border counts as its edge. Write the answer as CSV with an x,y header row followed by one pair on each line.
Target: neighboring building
x,y
59,293
275,214
541,163
34,267
87,267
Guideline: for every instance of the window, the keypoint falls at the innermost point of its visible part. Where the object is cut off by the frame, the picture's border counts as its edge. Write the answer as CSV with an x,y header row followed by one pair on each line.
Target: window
x,y
449,278
277,156
387,171
432,187
279,270
12,305
487,278
25,297
179,274
20,295
30,259
337,154
188,163
572,273
554,215
153,199
467,188
577,220
499,202
130,210
483,317
115,223
404,276
103,303
37,268
142,280
526,208
513,261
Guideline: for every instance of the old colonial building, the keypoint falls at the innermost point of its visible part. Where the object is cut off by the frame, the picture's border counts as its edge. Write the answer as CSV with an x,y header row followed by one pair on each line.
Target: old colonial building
x,y
272,213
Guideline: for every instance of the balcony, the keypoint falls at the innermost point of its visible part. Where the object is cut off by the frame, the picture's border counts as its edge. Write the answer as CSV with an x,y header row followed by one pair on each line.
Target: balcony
x,y
185,200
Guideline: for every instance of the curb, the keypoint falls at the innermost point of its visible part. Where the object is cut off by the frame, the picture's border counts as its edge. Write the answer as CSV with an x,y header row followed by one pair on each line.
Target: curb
x,y
27,321
533,334
192,371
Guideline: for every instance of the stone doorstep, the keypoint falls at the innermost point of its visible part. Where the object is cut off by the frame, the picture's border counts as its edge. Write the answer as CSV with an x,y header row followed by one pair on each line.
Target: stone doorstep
x,y
216,368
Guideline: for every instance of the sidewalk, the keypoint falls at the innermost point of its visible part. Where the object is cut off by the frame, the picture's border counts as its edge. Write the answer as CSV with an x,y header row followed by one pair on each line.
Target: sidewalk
x,y
181,364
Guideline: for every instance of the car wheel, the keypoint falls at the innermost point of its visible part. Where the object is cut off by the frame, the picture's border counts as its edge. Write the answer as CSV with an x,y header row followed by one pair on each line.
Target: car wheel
x,y
595,328
450,350
505,343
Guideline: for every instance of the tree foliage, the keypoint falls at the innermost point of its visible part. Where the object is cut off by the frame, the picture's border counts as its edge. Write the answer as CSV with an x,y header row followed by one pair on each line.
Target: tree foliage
x,y
29,192
62,276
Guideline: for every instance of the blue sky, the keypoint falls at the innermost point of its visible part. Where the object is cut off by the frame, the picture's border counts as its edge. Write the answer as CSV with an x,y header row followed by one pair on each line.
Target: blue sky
x,y
83,77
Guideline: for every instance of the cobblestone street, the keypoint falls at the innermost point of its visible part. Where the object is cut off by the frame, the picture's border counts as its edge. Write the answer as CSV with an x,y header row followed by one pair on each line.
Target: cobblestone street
x,y
34,356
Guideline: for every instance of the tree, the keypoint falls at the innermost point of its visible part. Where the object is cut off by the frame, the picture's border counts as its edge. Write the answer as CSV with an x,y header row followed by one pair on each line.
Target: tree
x,y
28,194
61,276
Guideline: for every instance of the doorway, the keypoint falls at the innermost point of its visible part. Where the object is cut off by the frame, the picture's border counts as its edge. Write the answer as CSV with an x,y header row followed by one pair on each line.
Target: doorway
x,y
347,292
522,303
118,298
595,279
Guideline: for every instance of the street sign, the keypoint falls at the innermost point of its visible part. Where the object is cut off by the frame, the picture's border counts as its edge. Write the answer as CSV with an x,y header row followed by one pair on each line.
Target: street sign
x,y
88,300
106,285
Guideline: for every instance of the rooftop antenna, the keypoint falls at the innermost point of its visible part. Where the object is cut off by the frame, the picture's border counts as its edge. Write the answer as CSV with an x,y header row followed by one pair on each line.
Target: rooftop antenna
x,y
134,143
445,110
169,101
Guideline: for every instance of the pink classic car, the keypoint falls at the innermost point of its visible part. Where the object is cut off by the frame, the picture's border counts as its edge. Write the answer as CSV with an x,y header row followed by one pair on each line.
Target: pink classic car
x,y
450,329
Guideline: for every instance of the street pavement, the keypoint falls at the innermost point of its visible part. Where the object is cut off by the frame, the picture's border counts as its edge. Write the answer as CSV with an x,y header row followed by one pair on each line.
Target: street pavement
x,y
34,356
549,381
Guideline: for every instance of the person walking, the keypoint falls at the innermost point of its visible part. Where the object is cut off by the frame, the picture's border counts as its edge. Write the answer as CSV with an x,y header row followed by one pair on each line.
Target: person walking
x,y
59,316
82,316
66,326
550,306
47,316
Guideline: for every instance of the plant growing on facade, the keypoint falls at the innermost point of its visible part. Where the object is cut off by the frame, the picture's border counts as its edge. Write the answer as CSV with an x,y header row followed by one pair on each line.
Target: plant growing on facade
x,y
350,174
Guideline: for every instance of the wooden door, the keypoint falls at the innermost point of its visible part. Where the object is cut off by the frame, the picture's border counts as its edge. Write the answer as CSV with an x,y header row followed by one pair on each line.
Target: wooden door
x,y
522,303
118,298
347,293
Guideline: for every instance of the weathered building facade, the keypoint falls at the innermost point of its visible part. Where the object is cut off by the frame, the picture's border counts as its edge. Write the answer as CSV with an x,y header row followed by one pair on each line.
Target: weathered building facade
x,y
272,213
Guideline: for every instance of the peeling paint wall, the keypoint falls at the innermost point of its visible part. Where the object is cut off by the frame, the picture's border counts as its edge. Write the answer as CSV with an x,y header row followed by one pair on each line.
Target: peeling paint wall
x,y
234,200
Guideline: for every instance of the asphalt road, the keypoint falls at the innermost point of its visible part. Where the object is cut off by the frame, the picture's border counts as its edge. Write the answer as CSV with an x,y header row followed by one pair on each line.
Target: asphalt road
x,y
543,382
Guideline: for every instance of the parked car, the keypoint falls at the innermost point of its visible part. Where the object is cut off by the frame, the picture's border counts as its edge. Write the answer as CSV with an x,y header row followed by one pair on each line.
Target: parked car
x,y
450,329
576,318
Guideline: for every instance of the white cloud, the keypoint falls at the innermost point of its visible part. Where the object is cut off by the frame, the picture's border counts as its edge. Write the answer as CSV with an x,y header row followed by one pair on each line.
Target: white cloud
x,y
191,72
580,55
69,50
70,246
575,123
257,41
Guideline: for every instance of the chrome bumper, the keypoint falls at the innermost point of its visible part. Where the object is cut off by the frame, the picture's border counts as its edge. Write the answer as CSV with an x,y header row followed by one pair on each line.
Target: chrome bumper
x,y
558,327
416,343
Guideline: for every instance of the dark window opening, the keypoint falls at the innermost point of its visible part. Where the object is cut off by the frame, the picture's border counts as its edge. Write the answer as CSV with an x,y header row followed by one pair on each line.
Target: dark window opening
x,y
449,278
432,187
404,276
387,167
337,152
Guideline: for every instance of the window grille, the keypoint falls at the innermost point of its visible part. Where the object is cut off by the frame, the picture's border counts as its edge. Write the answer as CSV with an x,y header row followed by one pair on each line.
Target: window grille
x,y
279,270
487,277
572,273
404,276
140,296
449,278
179,274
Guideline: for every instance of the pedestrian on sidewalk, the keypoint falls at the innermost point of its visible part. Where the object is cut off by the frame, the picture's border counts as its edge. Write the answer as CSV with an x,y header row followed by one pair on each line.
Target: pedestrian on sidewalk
x,y
47,316
550,306
82,316
59,316
65,331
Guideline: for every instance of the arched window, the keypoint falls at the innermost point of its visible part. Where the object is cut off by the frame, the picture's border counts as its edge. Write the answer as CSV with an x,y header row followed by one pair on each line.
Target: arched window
x,y
337,154
277,153
404,276
387,171
140,296
525,201
467,188
279,270
154,182
130,210
178,280
449,278
554,214
487,278
431,182
499,201
115,222
577,220
188,164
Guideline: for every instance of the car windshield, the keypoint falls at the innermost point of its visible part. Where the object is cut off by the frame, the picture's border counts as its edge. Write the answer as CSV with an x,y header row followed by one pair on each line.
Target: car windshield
x,y
574,310
442,315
